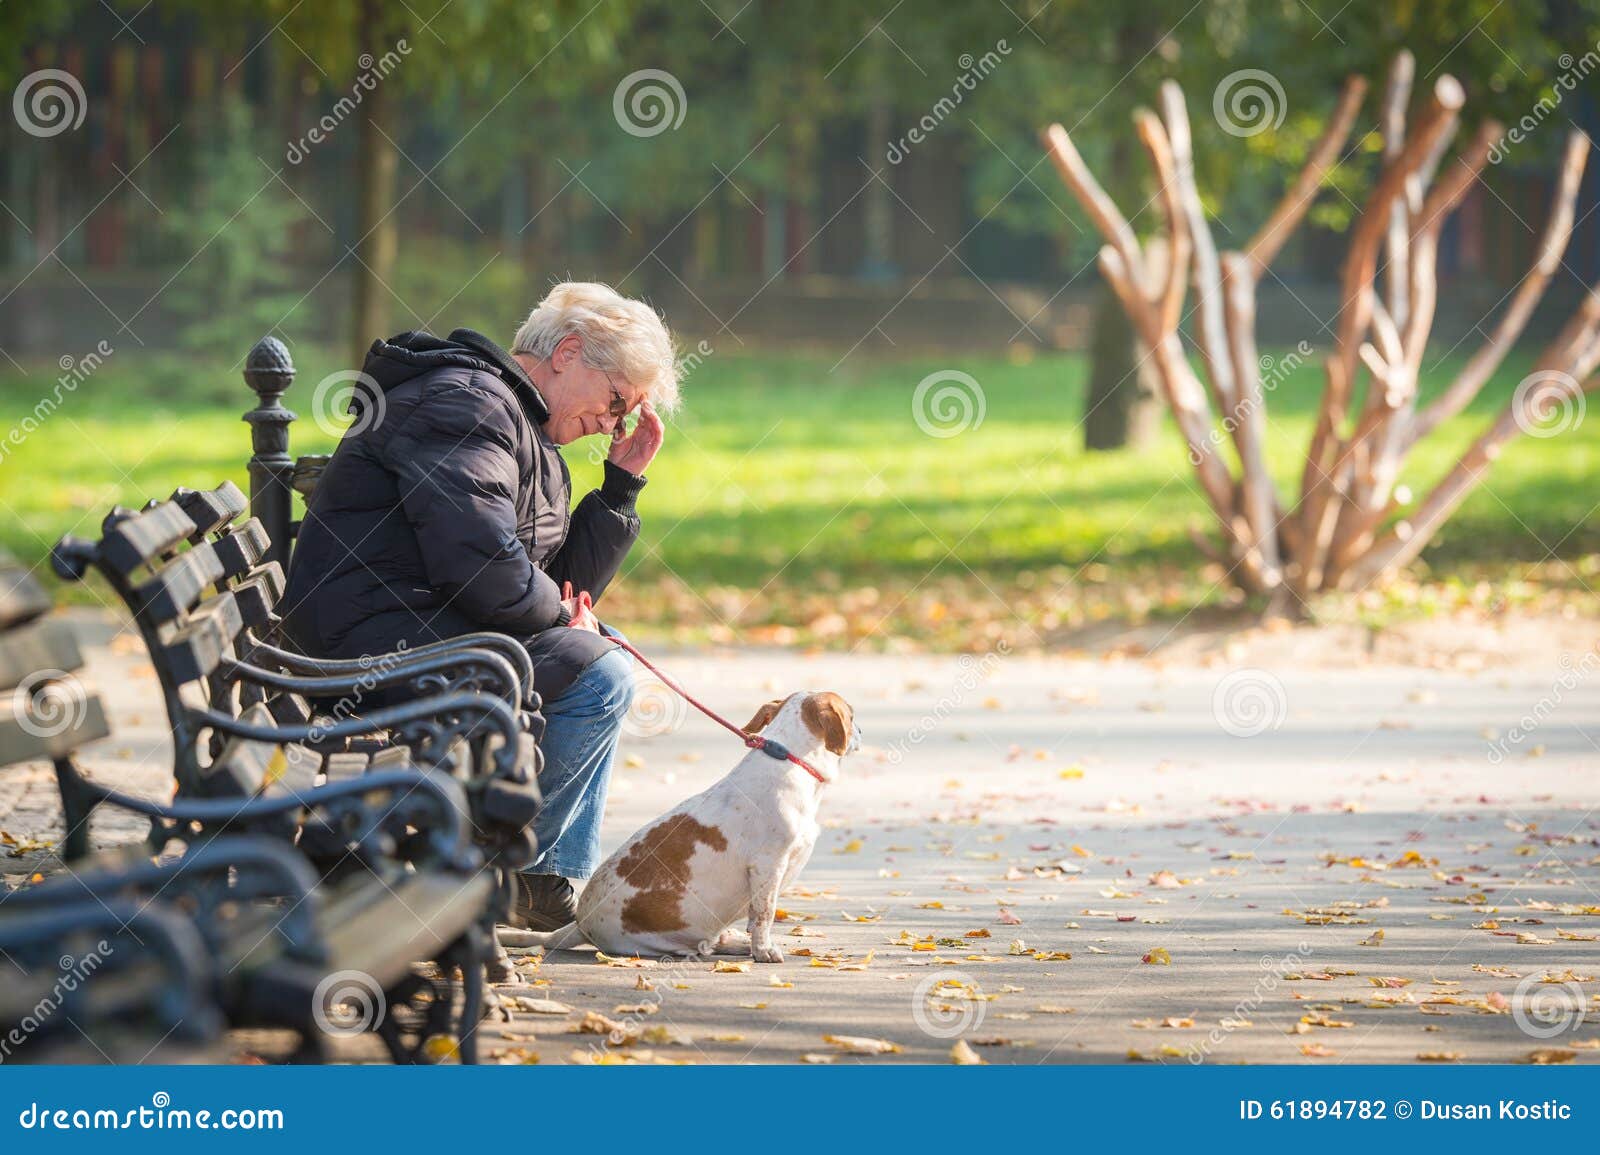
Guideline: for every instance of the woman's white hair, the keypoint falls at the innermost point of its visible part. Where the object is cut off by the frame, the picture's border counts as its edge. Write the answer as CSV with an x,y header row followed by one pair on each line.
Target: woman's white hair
x,y
619,336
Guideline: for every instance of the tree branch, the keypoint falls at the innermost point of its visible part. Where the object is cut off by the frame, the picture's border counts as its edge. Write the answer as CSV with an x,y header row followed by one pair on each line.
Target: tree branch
x,y
1271,237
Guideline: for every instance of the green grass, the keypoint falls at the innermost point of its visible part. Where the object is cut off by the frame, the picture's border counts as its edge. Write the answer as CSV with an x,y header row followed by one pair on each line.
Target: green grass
x,y
784,469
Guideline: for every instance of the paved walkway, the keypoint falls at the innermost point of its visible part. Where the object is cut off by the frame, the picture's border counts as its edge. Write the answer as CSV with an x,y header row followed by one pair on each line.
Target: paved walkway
x,y
1060,861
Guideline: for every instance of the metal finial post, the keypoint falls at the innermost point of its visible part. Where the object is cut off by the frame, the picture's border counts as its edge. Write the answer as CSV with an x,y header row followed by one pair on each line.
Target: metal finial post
x,y
269,371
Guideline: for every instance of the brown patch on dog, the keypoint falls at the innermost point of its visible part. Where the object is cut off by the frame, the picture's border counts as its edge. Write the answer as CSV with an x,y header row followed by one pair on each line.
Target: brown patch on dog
x,y
658,865
764,716
830,718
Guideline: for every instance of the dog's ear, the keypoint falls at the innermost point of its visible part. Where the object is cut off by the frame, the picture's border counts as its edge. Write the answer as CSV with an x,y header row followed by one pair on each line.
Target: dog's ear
x,y
830,718
764,717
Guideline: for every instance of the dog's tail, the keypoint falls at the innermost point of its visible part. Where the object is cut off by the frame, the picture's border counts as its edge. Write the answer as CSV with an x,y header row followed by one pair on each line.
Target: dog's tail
x,y
563,939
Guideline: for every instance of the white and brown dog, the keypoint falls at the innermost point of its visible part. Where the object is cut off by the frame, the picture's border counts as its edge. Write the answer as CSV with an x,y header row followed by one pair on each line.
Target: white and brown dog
x,y
678,886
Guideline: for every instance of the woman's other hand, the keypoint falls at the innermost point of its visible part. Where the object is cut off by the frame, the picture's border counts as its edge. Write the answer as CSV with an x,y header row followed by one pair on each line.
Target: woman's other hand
x,y
580,608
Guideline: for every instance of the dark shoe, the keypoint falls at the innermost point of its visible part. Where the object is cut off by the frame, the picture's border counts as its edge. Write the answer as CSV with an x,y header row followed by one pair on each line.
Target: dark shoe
x,y
543,902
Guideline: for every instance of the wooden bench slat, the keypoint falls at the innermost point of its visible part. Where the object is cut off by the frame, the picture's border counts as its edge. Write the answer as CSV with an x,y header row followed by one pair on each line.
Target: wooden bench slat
x,y
83,721
174,590
258,594
242,548
250,768
140,540
390,758
240,770
296,773
210,509
382,929
344,765
195,648
42,645
22,598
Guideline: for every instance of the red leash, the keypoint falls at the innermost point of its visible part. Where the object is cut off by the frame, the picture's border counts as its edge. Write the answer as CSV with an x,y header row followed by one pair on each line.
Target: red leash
x,y
754,741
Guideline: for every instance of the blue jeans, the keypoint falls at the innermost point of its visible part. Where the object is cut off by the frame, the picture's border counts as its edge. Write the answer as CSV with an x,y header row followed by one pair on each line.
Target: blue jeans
x,y
580,743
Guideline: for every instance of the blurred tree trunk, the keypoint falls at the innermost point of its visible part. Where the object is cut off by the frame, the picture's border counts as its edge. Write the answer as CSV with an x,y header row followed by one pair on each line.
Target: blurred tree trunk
x,y
1120,409
376,164
877,254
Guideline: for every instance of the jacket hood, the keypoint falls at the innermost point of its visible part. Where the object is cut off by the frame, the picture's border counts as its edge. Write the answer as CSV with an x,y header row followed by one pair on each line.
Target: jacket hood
x,y
406,356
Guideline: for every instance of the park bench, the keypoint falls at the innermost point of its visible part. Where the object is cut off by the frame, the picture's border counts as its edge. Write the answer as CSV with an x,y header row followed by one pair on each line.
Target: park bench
x,y
244,929
46,713
242,731
269,934
471,662
139,996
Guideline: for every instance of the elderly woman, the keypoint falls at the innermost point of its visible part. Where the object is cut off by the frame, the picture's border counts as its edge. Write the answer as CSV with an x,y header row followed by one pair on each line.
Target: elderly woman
x,y
445,510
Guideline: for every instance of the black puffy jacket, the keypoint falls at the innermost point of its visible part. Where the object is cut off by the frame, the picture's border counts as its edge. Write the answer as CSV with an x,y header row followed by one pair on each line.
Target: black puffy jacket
x,y
446,510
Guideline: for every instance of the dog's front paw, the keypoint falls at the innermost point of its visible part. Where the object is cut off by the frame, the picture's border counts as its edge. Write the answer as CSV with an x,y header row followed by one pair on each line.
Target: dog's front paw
x,y
766,954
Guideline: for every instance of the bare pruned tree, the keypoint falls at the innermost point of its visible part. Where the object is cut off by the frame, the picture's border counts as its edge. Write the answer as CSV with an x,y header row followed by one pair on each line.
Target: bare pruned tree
x,y
1352,523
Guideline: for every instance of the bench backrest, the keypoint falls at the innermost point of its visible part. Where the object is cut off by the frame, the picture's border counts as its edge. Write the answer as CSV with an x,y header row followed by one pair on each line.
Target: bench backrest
x,y
46,710
190,579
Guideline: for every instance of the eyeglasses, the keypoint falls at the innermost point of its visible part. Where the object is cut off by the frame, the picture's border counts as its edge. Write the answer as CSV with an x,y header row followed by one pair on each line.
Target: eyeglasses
x,y
619,404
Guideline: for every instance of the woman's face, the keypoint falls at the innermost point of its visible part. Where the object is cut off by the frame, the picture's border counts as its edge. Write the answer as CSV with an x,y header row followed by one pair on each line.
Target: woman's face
x,y
583,400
